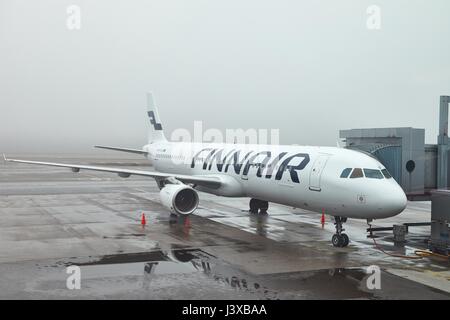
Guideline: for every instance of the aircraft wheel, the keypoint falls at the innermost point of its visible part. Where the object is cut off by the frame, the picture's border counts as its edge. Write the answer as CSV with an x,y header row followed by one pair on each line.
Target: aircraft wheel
x,y
263,206
254,206
345,239
337,240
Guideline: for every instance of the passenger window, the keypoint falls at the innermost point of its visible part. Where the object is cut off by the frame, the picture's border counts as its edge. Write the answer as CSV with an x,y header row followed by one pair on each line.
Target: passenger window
x,y
357,173
373,174
386,174
346,172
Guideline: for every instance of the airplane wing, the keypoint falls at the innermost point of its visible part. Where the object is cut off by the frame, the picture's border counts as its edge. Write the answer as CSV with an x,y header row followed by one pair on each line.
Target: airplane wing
x,y
138,151
207,181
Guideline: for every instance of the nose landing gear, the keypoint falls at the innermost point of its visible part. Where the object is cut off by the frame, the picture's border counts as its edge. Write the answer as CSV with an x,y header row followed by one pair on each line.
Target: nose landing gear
x,y
340,239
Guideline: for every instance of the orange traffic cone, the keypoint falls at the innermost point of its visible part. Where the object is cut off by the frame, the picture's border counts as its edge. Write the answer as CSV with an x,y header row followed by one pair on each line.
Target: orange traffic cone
x,y
187,222
143,221
322,219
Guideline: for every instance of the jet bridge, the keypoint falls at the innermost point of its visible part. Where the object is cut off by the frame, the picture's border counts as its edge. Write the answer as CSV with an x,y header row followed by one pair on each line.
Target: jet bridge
x,y
440,219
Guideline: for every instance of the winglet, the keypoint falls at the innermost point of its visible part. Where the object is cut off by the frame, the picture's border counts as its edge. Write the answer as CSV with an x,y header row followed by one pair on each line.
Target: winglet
x,y
4,158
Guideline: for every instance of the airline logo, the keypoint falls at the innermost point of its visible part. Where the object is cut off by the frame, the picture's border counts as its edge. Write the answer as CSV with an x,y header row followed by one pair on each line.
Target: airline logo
x,y
267,162
156,126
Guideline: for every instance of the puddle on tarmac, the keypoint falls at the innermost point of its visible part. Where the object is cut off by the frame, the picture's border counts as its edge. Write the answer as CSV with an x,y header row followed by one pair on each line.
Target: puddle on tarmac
x,y
173,264
195,274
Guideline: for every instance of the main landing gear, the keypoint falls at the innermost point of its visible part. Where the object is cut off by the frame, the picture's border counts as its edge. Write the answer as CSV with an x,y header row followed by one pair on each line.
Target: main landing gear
x,y
258,206
340,239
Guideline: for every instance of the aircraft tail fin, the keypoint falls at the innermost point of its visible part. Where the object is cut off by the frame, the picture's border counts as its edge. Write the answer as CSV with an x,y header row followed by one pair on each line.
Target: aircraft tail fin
x,y
156,130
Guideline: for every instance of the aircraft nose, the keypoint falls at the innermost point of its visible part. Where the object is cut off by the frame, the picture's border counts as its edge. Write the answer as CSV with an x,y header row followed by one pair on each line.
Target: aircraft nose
x,y
394,200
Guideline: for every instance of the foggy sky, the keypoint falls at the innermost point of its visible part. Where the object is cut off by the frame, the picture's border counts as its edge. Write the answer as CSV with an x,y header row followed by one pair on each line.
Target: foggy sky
x,y
308,68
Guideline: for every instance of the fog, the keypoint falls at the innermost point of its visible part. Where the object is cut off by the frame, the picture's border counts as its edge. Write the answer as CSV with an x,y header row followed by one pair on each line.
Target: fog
x,y
308,68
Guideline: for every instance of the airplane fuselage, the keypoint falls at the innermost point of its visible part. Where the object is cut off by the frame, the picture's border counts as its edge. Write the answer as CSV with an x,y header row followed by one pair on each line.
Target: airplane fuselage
x,y
336,181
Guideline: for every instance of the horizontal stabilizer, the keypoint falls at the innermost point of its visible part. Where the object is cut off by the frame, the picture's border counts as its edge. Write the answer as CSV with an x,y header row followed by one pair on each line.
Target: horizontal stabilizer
x,y
137,151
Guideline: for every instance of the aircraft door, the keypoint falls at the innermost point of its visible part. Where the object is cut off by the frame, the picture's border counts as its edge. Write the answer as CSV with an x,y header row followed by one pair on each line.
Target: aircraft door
x,y
316,172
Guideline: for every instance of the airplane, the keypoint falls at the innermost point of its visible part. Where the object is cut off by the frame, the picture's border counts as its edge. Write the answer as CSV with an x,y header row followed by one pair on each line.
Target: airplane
x,y
341,182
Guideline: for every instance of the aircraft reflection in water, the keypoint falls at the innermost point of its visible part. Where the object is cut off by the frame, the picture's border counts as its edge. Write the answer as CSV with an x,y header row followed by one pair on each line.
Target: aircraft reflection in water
x,y
201,261
317,283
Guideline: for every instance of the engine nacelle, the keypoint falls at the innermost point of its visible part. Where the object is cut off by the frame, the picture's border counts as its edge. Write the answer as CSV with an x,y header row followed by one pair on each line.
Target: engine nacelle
x,y
179,198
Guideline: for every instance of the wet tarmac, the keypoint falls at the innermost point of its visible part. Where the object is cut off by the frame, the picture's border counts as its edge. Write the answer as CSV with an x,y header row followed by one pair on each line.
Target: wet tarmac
x,y
52,219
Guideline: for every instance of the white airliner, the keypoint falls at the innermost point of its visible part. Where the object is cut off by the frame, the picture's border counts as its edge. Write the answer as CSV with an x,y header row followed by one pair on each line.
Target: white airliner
x,y
340,182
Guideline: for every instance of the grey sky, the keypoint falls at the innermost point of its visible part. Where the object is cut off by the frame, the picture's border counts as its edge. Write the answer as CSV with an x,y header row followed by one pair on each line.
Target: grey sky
x,y
309,68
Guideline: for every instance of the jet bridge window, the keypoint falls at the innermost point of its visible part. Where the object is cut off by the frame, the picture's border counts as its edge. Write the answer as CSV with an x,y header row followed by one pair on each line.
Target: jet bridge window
x,y
346,172
386,174
357,173
373,173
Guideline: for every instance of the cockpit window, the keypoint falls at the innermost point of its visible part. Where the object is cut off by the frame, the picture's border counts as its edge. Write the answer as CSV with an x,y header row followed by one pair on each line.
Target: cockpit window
x,y
373,174
357,173
386,174
346,172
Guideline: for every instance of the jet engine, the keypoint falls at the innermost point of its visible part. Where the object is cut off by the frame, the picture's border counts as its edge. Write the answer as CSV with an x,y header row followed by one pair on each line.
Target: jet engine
x,y
179,198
